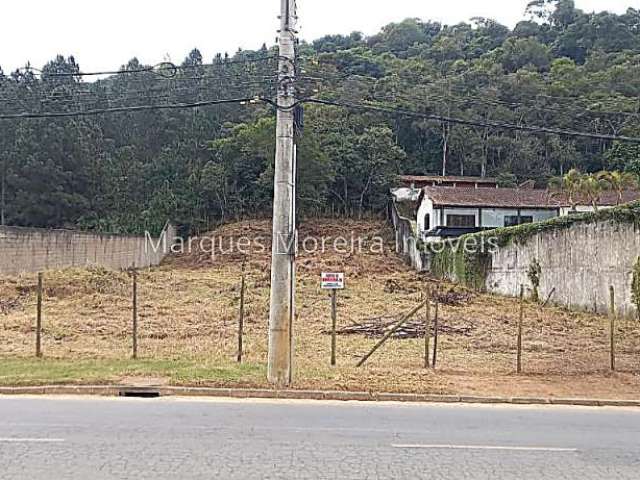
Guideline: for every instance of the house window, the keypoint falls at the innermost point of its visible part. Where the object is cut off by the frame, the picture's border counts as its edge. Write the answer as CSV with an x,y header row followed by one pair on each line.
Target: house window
x,y
427,222
461,221
513,220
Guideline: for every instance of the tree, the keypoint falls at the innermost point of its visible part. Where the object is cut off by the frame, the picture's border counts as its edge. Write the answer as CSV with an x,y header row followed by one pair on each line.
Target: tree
x,y
379,161
521,52
570,185
591,186
399,37
625,156
558,13
619,182
125,172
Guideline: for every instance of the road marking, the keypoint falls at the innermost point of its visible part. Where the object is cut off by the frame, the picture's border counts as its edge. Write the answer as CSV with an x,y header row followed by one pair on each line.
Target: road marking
x,y
486,447
31,440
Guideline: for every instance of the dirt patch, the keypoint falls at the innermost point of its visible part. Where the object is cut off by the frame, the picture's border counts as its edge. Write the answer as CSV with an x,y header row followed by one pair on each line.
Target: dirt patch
x,y
63,284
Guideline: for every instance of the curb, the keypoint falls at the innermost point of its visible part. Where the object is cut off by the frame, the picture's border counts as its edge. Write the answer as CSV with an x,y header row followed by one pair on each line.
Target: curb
x,y
121,390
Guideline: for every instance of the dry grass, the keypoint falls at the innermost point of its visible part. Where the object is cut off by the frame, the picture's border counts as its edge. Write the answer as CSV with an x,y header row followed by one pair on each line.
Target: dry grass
x,y
188,316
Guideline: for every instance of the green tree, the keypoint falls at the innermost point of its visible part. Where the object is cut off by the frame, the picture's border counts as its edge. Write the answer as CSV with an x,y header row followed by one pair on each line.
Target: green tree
x,y
571,185
619,182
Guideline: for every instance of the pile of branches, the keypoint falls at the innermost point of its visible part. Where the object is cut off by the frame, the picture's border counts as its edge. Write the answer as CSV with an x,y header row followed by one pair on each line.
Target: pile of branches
x,y
380,326
451,297
6,306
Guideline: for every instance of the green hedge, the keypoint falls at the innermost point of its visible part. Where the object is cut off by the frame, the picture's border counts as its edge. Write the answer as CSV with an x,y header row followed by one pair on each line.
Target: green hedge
x,y
455,263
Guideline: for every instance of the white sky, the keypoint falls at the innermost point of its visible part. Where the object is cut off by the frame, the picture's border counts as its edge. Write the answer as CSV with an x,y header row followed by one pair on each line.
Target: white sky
x,y
104,35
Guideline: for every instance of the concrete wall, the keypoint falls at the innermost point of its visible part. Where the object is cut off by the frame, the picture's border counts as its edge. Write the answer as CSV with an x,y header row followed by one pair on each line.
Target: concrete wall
x,y
579,262
406,241
24,250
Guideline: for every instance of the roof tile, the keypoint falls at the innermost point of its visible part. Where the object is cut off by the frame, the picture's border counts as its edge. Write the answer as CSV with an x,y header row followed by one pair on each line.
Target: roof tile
x,y
514,198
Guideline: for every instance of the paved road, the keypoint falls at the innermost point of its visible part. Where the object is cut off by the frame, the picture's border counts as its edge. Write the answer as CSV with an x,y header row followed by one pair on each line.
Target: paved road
x,y
88,438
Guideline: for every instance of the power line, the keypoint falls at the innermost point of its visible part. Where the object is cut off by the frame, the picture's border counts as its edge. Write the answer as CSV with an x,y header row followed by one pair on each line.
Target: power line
x,y
342,104
333,76
473,123
79,97
158,68
138,108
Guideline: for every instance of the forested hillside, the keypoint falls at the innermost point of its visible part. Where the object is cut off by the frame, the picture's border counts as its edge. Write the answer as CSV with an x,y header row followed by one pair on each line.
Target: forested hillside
x,y
130,169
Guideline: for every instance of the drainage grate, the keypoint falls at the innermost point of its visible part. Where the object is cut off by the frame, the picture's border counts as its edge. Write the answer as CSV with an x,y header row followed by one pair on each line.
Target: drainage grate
x,y
139,392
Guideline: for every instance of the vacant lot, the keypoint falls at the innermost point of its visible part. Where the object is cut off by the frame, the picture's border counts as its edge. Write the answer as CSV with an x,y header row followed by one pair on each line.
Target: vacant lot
x,y
188,323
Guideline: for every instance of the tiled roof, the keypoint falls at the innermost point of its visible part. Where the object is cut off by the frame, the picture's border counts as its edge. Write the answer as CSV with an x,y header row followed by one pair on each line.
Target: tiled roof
x,y
513,198
610,199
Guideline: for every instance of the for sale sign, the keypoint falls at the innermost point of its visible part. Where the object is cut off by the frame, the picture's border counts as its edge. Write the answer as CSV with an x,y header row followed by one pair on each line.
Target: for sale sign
x,y
333,281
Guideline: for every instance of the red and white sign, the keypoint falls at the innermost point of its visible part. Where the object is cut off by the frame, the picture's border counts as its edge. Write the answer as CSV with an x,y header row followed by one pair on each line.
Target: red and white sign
x,y
333,281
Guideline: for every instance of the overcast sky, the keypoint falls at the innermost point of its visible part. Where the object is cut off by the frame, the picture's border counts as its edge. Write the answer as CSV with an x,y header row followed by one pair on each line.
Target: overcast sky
x,y
104,35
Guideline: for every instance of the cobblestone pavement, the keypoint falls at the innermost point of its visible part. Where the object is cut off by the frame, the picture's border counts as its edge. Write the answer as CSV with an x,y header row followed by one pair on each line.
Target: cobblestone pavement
x,y
89,438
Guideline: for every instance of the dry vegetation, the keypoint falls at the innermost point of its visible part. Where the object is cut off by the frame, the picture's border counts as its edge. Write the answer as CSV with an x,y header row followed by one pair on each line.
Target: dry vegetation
x,y
188,316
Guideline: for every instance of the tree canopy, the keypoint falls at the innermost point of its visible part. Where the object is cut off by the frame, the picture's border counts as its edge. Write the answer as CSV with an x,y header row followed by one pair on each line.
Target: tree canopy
x,y
129,171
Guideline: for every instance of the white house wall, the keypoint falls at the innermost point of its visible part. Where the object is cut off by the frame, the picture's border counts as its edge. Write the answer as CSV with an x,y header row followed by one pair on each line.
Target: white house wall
x,y
460,211
582,209
426,207
491,217
539,215
494,217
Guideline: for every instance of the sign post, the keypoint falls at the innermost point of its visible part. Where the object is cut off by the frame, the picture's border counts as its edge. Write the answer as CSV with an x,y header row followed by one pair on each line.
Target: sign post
x,y
333,282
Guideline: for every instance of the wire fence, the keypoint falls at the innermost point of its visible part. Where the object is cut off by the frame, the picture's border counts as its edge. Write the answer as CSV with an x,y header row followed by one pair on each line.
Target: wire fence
x,y
223,314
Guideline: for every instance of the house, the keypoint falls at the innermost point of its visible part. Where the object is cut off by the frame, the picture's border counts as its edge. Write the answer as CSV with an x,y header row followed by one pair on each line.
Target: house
x,y
607,199
446,212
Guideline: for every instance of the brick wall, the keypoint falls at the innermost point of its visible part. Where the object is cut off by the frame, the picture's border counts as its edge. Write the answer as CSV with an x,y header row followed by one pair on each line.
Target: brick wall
x,y
24,250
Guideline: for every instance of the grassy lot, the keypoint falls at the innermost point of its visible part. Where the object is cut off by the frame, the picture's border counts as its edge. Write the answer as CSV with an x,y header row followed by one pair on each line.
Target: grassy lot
x,y
188,317
29,371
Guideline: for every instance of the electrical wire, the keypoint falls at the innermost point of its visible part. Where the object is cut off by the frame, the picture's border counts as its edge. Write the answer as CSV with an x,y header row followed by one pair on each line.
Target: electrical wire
x,y
158,68
473,123
333,76
138,108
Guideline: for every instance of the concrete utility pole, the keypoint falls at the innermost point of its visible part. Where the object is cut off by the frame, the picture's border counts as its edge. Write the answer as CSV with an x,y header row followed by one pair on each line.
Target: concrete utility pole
x,y
3,189
284,221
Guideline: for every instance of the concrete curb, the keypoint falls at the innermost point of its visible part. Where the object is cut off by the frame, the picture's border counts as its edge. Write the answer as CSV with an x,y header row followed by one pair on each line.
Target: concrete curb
x,y
117,390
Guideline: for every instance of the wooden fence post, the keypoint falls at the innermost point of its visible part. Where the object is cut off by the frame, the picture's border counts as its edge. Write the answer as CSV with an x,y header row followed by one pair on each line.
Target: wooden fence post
x,y
388,335
134,302
39,317
241,315
427,327
435,335
612,328
520,322
334,323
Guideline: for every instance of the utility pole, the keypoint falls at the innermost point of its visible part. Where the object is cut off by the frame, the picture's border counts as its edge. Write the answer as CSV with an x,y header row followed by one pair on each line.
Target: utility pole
x,y
3,189
284,208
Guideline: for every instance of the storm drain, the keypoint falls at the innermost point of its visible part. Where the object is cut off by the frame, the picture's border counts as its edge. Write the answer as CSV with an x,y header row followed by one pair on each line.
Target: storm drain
x,y
139,392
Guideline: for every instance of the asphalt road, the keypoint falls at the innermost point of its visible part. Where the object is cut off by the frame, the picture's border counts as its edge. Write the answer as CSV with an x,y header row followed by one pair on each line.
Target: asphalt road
x,y
89,438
